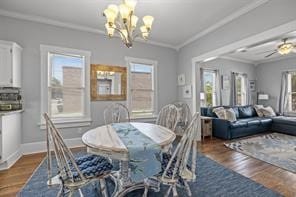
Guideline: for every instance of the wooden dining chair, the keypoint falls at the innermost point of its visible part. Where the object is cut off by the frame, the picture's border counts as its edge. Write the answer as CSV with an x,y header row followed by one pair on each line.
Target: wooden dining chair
x,y
73,172
179,168
184,118
116,113
168,117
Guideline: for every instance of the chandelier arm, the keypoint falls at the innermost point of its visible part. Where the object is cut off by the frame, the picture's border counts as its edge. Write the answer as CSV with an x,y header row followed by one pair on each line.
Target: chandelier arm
x,y
130,21
118,24
122,34
129,39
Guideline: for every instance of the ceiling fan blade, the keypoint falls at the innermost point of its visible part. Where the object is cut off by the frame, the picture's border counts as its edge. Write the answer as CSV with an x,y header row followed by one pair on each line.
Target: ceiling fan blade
x,y
270,54
265,52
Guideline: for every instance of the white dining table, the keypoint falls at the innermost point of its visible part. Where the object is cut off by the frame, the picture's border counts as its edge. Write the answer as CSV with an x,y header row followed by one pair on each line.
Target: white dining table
x,y
104,141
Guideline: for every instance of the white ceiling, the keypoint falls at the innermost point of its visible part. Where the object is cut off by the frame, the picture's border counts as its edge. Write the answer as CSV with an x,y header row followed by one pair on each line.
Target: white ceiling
x,y
176,21
257,53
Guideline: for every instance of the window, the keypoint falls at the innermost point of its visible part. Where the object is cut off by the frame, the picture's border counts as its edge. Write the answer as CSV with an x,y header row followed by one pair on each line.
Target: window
x,y
142,83
209,96
241,89
65,85
291,89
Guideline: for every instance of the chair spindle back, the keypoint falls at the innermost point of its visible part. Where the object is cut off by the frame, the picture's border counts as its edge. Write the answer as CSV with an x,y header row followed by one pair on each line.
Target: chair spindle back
x,y
65,160
116,113
185,152
168,117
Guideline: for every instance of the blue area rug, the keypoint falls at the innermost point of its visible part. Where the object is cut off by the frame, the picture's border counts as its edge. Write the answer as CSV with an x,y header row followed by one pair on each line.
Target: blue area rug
x,y
212,180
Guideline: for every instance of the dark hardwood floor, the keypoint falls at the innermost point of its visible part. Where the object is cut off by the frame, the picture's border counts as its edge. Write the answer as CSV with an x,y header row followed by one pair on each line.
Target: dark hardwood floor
x,y
277,179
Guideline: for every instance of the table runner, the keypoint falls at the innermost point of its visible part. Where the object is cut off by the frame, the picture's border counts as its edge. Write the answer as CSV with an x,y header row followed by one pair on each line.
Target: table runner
x,y
144,153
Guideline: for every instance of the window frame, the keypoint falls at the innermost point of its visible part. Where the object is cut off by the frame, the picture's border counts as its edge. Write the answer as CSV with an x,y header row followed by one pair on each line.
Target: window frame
x,y
64,122
153,63
216,84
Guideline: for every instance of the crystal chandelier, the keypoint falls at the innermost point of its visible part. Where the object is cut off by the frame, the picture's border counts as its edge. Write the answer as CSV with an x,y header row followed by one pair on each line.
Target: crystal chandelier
x,y
126,23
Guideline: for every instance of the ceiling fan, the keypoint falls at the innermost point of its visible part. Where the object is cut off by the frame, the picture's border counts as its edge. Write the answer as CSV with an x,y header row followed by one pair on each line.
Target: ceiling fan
x,y
284,48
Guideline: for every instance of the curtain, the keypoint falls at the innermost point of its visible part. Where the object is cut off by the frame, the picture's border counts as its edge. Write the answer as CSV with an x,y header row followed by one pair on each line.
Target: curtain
x,y
248,95
202,80
244,86
232,97
218,88
283,93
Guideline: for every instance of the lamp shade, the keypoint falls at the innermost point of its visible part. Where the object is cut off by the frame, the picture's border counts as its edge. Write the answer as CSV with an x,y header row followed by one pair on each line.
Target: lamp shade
x,y
124,12
148,20
263,96
144,32
134,21
110,14
131,4
110,30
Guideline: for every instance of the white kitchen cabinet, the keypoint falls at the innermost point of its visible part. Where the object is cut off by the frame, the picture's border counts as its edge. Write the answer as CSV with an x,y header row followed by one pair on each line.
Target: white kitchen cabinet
x,y
10,64
10,138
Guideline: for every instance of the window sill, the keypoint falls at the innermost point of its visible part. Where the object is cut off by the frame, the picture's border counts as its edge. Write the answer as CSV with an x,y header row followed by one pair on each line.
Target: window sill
x,y
150,118
68,123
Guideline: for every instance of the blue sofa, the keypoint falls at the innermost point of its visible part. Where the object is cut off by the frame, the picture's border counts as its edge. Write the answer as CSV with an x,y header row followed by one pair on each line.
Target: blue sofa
x,y
248,123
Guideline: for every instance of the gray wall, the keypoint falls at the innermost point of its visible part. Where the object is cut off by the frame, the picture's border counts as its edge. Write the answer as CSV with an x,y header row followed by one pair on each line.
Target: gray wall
x,y
265,17
104,51
269,78
225,67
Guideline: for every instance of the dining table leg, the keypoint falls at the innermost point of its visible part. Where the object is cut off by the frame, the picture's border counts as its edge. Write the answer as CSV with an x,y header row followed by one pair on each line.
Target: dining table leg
x,y
124,173
122,180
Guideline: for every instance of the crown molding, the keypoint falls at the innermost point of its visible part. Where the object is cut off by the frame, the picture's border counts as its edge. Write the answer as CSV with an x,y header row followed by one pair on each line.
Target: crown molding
x,y
237,60
49,21
224,21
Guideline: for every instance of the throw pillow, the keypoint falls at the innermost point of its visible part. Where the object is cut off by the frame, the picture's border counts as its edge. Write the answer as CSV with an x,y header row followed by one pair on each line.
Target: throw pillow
x,y
268,111
230,115
220,112
258,111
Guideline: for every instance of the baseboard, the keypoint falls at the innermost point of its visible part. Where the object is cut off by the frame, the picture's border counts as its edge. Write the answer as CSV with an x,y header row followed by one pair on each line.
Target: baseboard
x,y
38,147
11,160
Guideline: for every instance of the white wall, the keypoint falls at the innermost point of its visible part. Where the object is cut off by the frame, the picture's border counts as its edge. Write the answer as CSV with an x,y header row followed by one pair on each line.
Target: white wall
x,y
270,15
104,51
225,67
269,78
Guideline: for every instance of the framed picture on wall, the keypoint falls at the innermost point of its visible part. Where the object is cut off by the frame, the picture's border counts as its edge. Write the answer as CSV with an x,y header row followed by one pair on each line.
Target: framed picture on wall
x,y
252,85
187,92
181,79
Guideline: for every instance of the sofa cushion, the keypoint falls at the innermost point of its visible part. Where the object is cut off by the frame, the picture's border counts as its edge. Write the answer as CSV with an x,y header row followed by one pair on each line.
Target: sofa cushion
x,y
284,120
254,122
239,124
235,109
230,115
220,112
210,112
258,111
265,121
246,122
246,112
204,111
268,111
